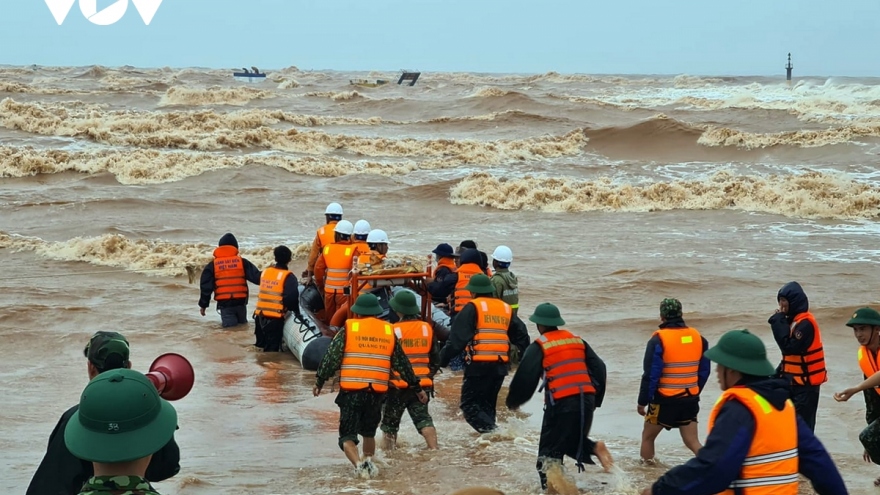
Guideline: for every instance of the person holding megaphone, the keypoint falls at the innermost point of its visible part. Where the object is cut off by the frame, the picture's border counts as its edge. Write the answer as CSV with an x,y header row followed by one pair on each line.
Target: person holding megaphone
x,y
63,471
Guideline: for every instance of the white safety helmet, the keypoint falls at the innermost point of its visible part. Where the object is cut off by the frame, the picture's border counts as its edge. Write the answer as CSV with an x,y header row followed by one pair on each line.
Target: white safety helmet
x,y
333,209
503,254
362,227
377,236
343,227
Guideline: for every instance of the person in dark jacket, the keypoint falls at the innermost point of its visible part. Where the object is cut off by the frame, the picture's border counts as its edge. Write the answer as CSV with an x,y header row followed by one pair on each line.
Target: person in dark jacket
x,y
865,323
572,391
664,399
229,287
272,307
729,456
442,285
60,472
482,379
800,341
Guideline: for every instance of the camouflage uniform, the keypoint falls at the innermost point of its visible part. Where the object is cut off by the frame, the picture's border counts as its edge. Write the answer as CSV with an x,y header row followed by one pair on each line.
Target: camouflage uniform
x,y
117,485
360,411
399,400
870,436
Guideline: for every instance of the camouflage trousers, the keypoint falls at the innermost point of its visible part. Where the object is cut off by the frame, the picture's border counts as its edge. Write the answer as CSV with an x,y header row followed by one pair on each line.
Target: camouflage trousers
x,y
870,438
396,402
359,414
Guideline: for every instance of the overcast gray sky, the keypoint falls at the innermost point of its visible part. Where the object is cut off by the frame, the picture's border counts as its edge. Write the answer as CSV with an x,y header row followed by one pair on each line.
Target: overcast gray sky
x,y
735,37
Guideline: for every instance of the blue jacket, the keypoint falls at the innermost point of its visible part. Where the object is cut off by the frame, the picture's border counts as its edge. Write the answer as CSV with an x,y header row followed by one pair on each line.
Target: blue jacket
x,y
719,462
653,366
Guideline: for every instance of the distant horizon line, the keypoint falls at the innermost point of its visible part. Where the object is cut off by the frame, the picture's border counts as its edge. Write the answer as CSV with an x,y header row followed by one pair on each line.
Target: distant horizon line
x,y
266,71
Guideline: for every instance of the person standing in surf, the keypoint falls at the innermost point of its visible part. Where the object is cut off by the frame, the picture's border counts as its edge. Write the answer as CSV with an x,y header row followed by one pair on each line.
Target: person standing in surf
x,y
366,351
803,357
574,386
865,323
227,277
675,372
484,330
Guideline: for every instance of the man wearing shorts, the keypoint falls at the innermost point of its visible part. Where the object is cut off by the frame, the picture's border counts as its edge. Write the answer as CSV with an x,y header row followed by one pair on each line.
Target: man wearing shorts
x,y
675,372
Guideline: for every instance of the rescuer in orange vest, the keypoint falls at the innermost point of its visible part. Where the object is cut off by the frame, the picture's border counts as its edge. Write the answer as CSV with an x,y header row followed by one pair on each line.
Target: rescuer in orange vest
x,y
865,323
324,236
757,444
420,345
485,329
803,357
227,277
333,269
279,295
443,282
366,351
574,385
675,373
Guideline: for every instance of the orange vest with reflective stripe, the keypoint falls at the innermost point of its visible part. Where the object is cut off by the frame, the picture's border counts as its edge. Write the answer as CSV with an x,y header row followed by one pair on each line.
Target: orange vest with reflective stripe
x,y
771,465
416,337
271,289
460,296
366,361
229,279
490,344
868,363
565,364
338,258
808,368
682,350
326,235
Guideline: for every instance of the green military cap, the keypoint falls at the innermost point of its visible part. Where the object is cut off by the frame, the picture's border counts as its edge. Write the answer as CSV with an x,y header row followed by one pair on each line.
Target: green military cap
x,y
742,351
548,315
121,418
480,284
864,316
367,305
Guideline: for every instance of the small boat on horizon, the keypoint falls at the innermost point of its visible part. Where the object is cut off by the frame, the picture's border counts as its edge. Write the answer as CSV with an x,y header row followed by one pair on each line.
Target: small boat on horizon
x,y
253,75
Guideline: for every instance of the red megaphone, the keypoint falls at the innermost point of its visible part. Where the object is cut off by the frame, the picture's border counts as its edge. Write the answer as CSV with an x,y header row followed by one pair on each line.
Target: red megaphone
x,y
172,375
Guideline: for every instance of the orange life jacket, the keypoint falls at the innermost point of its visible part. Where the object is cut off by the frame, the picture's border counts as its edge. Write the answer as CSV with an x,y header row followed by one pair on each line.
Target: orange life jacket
x,y
868,363
361,247
416,337
565,364
229,279
490,344
338,258
327,234
682,350
460,296
771,464
271,289
366,360
808,368
447,262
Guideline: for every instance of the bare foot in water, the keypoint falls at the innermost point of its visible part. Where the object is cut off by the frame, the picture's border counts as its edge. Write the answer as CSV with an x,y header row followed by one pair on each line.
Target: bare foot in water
x,y
604,456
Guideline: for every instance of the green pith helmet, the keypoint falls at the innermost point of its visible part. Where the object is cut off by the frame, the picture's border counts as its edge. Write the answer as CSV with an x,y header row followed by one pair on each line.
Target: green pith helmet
x,y
404,302
864,316
742,351
548,315
480,284
121,418
367,305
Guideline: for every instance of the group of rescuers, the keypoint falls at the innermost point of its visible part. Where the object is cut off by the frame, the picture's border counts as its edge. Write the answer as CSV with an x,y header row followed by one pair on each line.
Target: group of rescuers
x,y
760,430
